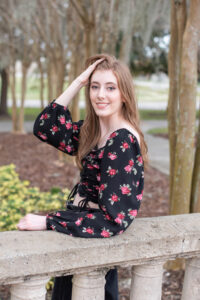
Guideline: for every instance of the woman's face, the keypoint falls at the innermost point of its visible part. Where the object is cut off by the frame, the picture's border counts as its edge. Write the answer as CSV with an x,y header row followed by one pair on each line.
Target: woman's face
x,y
105,95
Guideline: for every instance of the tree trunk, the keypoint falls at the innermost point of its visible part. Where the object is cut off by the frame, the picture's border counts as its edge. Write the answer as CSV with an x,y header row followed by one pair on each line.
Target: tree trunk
x,y
14,102
49,80
90,40
4,92
60,65
178,19
41,84
126,43
23,92
184,152
195,193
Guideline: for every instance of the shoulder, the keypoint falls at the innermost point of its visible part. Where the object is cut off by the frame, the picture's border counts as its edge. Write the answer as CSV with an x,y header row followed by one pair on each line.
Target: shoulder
x,y
133,131
127,133
122,139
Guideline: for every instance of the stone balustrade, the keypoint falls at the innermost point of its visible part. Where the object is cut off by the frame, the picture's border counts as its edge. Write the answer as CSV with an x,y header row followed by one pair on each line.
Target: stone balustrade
x,y
29,258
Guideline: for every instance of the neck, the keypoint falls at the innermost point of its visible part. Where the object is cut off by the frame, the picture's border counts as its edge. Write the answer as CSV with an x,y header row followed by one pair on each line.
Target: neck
x,y
108,125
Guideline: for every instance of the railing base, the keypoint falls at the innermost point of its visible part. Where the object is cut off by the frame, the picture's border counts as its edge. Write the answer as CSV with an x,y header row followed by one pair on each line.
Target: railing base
x,y
191,284
29,290
89,286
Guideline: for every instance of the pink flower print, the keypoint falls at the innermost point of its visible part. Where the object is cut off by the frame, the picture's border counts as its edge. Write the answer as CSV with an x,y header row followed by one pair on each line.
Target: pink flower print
x,y
121,215
128,169
96,166
125,189
54,129
132,212
88,230
105,233
85,183
131,162
90,167
53,227
79,221
90,216
102,187
114,198
69,148
103,208
68,125
140,160
124,146
62,146
54,105
137,183
44,116
111,172
114,134
75,127
112,156
75,138
101,154
139,197
131,138
98,177
107,217
64,224
62,119
43,136
58,214
118,220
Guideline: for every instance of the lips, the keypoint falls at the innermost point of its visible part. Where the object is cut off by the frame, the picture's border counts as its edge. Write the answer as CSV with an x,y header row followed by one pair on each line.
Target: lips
x,y
102,105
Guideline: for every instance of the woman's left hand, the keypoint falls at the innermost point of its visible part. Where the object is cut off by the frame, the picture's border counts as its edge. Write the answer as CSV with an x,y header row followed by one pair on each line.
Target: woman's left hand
x,y
32,222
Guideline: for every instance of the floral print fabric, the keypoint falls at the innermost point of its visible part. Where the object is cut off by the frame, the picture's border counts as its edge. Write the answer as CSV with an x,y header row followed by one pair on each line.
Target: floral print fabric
x,y
112,176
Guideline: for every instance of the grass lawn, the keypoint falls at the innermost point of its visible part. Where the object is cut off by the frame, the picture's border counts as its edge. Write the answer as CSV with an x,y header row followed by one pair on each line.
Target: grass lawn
x,y
32,112
146,91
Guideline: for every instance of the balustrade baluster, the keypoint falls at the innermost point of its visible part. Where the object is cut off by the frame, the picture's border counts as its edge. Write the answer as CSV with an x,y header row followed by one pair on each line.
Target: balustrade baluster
x,y
146,282
89,286
191,283
32,289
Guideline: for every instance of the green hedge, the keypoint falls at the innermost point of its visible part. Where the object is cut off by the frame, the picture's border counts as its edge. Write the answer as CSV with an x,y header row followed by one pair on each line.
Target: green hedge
x,y
17,198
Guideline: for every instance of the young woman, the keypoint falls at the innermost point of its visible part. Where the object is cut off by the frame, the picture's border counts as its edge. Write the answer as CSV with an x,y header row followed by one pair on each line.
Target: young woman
x,y
110,152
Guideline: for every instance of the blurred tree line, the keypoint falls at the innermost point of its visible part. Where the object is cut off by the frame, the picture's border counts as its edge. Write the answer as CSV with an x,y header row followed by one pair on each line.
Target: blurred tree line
x,y
59,34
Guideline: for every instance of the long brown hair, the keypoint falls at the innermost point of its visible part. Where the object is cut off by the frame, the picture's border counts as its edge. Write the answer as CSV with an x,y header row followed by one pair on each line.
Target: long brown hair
x,y
90,130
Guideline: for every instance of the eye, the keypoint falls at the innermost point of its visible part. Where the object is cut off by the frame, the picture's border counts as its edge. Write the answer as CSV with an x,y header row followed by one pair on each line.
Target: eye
x,y
111,88
94,87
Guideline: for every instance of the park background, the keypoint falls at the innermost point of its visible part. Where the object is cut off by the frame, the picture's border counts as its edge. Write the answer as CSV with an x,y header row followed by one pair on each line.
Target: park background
x,y
43,46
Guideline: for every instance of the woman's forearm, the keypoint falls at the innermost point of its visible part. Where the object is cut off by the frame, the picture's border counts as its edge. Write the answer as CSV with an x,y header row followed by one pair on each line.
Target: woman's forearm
x,y
83,79
65,98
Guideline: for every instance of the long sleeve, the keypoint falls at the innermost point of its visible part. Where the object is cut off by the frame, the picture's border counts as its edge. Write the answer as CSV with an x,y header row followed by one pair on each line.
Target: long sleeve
x,y
120,193
54,126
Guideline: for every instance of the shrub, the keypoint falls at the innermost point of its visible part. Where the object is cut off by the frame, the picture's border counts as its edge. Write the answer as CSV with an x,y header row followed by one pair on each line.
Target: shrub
x,y
17,198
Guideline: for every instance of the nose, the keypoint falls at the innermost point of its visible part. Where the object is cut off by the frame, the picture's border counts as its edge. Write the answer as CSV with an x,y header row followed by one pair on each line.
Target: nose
x,y
101,92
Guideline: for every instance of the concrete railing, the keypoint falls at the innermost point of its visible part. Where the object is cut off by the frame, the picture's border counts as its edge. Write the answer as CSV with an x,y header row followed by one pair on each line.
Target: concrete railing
x,y
29,258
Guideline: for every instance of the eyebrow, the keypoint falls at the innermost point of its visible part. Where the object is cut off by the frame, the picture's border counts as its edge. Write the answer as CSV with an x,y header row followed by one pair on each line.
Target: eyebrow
x,y
106,82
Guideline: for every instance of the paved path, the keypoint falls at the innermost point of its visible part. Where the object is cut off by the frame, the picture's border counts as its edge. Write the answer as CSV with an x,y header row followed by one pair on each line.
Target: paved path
x,y
158,147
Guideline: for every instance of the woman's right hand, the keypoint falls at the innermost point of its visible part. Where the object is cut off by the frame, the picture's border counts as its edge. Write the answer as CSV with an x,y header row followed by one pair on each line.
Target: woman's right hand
x,y
83,78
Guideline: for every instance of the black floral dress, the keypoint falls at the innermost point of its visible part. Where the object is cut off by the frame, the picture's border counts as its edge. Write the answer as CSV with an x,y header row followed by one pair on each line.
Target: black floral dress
x,y
112,177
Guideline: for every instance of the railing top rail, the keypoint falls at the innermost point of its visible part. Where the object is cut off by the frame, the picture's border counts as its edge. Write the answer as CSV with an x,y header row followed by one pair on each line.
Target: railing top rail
x,y
25,254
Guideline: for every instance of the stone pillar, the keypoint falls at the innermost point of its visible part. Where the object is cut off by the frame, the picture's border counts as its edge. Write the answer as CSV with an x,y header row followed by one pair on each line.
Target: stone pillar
x,y
32,289
146,282
89,286
191,283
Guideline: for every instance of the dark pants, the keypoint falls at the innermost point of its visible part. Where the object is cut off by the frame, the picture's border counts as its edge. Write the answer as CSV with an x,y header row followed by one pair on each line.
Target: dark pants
x,y
63,287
